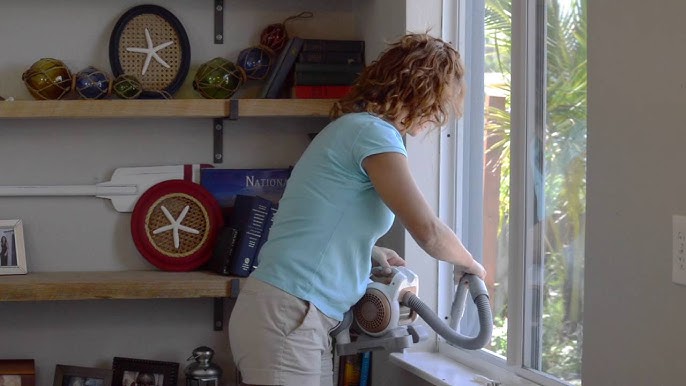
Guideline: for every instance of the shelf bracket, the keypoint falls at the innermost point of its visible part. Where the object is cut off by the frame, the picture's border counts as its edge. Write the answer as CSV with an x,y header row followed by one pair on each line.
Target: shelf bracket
x,y
218,131
218,135
218,21
219,305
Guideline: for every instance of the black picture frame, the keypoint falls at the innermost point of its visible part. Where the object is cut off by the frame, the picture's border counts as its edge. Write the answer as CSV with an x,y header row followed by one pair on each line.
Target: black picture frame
x,y
67,376
164,373
174,22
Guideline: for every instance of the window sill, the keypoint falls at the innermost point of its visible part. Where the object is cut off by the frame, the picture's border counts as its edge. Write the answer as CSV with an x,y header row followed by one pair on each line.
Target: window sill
x,y
438,369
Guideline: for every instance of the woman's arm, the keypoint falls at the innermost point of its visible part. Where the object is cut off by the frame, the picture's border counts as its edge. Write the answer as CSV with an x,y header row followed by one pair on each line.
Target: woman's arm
x,y
390,174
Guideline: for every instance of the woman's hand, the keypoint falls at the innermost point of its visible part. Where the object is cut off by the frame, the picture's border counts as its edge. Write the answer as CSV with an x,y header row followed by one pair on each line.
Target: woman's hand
x,y
475,269
386,258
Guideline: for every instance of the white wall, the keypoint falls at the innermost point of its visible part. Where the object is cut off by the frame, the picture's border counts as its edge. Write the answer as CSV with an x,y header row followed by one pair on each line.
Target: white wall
x,y
633,314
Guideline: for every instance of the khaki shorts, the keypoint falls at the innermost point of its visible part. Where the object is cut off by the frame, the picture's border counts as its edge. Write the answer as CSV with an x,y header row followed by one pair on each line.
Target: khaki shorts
x,y
279,339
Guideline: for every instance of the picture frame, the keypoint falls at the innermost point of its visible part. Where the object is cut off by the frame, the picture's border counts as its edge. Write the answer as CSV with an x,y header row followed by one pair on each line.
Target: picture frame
x,y
78,375
131,371
21,372
12,249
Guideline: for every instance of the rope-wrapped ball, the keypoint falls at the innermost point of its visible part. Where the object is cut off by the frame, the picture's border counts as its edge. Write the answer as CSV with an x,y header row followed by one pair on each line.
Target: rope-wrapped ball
x,y
218,78
48,78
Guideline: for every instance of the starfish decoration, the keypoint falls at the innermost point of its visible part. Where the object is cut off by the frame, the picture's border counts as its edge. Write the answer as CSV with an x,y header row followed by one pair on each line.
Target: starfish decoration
x,y
175,225
151,52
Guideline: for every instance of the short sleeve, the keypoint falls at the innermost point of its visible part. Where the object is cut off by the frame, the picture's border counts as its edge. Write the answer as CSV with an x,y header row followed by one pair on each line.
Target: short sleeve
x,y
377,137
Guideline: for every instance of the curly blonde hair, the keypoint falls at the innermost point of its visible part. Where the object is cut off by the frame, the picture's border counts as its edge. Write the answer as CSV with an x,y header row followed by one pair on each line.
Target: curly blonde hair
x,y
418,79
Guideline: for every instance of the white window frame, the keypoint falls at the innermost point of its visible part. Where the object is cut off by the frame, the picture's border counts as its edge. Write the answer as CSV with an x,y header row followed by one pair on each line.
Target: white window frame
x,y
459,147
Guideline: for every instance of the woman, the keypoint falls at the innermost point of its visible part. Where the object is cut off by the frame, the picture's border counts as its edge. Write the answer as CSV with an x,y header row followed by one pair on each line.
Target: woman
x,y
342,196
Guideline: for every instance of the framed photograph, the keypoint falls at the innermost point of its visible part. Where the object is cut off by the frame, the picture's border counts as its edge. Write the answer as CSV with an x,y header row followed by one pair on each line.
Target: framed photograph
x,y
82,376
134,372
17,372
12,252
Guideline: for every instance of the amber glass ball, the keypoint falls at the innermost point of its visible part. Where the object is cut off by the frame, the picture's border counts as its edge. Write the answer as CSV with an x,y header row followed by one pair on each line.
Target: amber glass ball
x,y
48,78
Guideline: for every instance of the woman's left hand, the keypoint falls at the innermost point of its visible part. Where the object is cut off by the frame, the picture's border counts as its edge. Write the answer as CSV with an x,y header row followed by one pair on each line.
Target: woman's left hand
x,y
386,258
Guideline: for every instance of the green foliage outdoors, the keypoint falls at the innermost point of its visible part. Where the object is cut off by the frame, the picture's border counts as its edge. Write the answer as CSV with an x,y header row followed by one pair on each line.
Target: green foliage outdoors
x,y
564,174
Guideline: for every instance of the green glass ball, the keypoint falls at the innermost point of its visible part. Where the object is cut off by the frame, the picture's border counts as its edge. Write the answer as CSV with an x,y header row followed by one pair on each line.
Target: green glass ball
x,y
127,87
218,78
48,78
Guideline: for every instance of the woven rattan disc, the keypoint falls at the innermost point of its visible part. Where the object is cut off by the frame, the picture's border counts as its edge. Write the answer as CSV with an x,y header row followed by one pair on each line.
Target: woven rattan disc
x,y
156,76
149,43
174,225
187,235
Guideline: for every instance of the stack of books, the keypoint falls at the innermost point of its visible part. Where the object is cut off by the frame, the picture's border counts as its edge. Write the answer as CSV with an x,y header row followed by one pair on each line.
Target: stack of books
x,y
249,199
327,68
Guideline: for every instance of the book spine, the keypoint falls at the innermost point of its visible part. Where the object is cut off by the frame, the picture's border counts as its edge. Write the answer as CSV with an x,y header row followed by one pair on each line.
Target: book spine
x,y
289,55
351,370
328,67
331,57
268,222
320,92
248,218
333,45
365,368
312,78
223,250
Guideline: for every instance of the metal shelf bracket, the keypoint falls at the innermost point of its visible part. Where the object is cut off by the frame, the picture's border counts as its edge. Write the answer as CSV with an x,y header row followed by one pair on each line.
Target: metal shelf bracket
x,y
219,305
218,132
218,21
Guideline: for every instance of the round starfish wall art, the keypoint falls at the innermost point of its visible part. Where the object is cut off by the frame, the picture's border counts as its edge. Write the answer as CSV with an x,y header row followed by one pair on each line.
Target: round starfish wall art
x,y
150,43
174,225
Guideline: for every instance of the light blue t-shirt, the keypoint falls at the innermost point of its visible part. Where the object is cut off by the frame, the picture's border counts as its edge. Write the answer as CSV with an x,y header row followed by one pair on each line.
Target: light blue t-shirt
x,y
330,216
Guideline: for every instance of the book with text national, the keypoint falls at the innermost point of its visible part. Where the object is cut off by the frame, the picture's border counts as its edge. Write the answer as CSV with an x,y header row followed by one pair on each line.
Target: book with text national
x,y
282,68
226,184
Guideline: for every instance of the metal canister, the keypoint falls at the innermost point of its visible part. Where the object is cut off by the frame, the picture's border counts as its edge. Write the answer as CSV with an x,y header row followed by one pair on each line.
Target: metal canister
x,y
202,372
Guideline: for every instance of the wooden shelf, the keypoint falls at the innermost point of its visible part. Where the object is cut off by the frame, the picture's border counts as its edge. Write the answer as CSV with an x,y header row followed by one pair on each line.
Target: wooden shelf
x,y
174,108
40,286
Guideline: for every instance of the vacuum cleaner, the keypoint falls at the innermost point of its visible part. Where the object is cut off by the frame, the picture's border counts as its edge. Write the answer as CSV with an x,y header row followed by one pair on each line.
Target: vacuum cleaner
x,y
383,318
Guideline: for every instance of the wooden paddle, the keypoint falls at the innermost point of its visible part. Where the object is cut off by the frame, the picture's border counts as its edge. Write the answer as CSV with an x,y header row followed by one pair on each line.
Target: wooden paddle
x,y
123,190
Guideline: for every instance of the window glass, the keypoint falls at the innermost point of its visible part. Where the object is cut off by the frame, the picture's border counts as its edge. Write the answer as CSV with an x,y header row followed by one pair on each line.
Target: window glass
x,y
555,182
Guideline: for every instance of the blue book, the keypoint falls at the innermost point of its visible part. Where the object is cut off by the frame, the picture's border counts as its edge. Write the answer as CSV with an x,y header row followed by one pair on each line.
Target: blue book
x,y
248,218
223,249
365,368
265,234
283,66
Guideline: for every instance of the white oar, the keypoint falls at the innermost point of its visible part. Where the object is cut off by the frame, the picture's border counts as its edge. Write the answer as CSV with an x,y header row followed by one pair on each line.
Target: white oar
x,y
123,190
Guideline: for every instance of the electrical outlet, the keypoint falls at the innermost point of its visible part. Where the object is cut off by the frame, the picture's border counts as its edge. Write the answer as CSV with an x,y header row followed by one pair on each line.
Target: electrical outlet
x,y
679,249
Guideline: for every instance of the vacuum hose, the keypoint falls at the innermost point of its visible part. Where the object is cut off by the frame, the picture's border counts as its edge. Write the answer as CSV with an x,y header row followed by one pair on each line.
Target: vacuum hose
x,y
477,289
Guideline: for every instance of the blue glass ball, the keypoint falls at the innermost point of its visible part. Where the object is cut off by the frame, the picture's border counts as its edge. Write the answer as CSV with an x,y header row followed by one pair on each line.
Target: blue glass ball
x,y
92,83
255,61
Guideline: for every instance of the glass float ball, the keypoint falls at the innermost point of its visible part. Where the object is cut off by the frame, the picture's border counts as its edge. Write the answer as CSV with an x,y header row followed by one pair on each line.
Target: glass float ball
x,y
47,78
127,86
255,61
91,83
218,78
274,36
